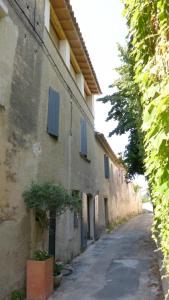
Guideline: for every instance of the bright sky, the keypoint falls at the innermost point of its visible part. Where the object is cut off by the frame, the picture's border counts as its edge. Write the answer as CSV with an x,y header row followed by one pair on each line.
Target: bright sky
x,y
103,26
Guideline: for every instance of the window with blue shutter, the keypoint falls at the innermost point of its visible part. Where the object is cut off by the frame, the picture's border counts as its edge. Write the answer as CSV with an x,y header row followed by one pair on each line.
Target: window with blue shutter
x,y
53,113
106,167
83,128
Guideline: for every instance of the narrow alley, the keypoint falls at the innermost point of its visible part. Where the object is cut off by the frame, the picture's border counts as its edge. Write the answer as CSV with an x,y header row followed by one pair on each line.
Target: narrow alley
x,y
120,266
84,93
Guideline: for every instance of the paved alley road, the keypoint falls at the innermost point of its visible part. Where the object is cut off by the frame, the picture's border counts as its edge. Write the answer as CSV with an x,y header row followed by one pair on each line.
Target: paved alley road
x,y
120,266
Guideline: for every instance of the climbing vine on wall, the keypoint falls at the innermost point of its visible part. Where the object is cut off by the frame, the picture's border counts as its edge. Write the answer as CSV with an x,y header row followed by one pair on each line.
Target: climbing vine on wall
x,y
148,22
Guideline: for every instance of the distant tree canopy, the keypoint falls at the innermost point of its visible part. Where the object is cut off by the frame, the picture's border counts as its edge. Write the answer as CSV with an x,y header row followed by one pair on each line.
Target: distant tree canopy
x,y
126,109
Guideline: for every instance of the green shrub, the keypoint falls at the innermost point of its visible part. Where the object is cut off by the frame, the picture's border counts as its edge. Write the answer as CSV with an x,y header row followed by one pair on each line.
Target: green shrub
x,y
148,23
58,267
41,255
136,188
18,294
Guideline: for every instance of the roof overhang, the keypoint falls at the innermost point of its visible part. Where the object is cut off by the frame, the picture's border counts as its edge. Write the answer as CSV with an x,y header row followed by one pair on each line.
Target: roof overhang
x,y
67,20
105,145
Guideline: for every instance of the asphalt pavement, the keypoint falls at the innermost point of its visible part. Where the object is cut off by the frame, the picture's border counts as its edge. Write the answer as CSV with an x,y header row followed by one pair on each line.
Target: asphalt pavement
x,y
122,265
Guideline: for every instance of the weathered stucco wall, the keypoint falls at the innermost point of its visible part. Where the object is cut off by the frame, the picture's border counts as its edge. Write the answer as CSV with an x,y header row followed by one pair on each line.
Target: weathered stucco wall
x,y
61,158
27,151
20,69
121,197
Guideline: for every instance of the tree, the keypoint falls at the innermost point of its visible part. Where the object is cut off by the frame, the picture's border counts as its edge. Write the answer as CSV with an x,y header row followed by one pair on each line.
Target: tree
x,y
126,109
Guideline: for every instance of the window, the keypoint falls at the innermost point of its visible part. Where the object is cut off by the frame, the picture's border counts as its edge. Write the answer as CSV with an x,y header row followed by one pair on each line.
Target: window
x,y
106,167
53,113
83,129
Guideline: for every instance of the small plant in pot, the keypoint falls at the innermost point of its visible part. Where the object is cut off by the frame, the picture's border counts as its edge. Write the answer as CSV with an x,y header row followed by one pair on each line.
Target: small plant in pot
x,y
57,273
39,276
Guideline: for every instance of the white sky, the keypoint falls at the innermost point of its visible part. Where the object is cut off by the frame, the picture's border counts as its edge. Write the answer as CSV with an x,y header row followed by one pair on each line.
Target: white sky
x,y
103,26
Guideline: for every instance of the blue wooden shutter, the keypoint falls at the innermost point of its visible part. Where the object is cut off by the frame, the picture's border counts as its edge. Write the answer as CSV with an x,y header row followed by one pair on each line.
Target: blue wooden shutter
x,y
53,113
106,166
83,127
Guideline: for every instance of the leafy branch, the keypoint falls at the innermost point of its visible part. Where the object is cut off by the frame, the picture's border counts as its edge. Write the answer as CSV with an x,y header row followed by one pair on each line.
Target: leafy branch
x,y
48,197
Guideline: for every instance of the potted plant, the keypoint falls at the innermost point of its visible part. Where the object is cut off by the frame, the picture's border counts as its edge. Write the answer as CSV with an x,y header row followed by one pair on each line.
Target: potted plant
x,y
39,280
57,273
44,198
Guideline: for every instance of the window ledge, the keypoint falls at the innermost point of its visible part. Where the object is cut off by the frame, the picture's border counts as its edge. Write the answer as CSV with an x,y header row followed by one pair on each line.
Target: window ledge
x,y
85,157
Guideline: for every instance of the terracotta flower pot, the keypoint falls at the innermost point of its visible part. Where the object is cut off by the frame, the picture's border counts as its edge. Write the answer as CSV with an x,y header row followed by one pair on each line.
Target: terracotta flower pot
x,y
39,279
57,280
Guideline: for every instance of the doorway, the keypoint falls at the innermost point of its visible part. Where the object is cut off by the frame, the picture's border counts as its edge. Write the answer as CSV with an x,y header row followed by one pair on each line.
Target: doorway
x,y
96,217
90,219
87,220
106,212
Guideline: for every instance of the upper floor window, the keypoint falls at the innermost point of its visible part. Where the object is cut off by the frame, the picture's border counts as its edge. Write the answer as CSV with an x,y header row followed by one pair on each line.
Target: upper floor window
x,y
83,137
106,167
53,113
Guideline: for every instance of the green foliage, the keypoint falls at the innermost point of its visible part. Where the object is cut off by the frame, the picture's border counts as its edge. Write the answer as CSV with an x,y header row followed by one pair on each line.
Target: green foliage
x,y
19,294
48,197
145,199
148,23
136,188
41,255
58,267
118,222
126,109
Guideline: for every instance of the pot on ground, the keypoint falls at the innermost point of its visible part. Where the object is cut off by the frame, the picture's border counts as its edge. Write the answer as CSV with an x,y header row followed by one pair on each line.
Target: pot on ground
x,y
57,280
39,281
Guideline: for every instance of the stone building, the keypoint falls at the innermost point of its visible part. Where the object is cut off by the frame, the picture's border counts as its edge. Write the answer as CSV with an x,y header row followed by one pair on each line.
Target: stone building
x,y
116,197
47,88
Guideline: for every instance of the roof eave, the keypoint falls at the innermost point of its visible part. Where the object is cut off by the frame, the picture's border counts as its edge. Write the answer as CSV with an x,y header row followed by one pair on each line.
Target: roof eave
x,y
102,140
85,65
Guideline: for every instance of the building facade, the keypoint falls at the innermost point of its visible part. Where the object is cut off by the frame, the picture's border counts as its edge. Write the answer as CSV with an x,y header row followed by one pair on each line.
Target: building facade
x,y
47,88
117,197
